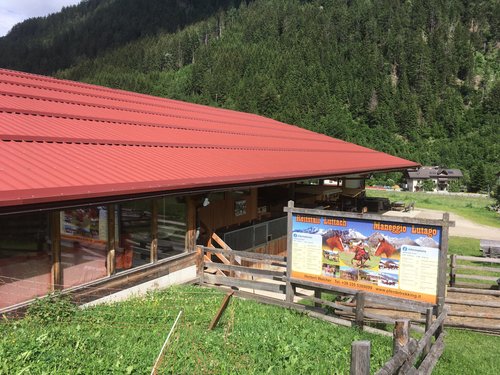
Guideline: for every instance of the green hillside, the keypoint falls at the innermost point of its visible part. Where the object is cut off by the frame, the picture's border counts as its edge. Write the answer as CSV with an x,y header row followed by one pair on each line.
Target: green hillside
x,y
418,79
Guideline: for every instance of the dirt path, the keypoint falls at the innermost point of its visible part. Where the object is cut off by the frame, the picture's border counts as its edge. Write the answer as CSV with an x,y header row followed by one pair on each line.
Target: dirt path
x,y
463,227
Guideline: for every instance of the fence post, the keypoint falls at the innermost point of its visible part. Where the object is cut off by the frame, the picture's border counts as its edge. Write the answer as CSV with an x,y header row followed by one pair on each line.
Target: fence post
x,y
360,358
428,323
200,264
317,294
360,308
453,269
400,335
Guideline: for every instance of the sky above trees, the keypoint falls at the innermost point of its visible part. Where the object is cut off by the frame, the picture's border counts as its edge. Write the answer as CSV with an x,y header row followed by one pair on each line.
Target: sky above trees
x,y
15,11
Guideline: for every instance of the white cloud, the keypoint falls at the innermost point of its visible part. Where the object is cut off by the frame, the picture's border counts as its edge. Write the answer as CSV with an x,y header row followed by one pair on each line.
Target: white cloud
x,y
15,11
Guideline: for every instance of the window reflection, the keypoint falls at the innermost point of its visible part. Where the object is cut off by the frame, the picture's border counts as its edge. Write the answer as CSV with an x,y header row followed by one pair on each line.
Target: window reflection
x,y
25,258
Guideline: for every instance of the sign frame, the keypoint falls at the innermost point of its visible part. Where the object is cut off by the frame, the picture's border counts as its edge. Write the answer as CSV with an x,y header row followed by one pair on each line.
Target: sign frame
x,y
443,224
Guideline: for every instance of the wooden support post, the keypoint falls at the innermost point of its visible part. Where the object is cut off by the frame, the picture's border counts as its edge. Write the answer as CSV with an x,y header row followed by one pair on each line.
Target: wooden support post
x,y
232,262
401,335
222,308
453,269
443,264
111,240
191,223
317,294
290,291
55,240
360,308
154,231
200,264
360,358
428,323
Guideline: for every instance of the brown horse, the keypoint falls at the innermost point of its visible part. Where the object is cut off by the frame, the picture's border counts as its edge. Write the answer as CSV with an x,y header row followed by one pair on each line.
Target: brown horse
x,y
384,247
335,242
361,256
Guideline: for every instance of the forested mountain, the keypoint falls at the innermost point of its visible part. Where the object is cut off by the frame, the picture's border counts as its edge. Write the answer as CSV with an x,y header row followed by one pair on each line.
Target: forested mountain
x,y
419,79
46,44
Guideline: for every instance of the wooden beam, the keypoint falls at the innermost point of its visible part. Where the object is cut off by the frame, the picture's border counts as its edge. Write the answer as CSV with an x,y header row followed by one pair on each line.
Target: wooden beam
x,y
222,308
55,238
360,358
111,258
154,231
191,223
353,215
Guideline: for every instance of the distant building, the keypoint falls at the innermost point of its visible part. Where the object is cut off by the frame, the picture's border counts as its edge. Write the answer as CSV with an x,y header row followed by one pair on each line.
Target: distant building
x,y
440,176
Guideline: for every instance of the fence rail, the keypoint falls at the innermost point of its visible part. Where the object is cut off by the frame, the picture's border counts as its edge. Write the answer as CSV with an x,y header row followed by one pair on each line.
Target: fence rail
x,y
478,272
407,351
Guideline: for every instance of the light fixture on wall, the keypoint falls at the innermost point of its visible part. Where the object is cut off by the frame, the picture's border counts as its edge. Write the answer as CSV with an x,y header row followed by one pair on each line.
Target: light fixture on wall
x,y
206,202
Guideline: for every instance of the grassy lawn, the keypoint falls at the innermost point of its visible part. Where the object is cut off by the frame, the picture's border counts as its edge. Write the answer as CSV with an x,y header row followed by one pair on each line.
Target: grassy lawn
x,y
125,338
469,353
470,208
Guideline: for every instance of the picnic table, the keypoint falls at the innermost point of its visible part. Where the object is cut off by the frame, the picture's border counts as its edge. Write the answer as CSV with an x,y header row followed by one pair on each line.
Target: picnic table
x,y
490,248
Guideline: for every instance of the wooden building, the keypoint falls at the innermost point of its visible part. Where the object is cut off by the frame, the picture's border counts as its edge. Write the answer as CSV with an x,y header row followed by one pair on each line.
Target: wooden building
x,y
107,187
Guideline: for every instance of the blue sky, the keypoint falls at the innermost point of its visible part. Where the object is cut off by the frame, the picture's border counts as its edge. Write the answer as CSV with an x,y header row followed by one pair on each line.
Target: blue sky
x,y
15,11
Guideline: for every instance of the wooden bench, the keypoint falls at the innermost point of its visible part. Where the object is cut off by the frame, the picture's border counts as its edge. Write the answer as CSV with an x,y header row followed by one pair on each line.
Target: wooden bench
x,y
490,248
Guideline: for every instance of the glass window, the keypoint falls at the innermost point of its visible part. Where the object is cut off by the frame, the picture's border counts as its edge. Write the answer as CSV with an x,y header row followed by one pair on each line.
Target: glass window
x,y
134,234
25,258
84,234
171,226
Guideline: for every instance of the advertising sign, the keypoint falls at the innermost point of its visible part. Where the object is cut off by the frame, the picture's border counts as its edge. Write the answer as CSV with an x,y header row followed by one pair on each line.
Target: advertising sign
x,y
390,258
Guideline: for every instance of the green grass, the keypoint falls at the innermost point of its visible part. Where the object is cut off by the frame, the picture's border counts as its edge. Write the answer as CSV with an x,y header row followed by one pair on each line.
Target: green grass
x,y
472,208
125,338
464,246
469,353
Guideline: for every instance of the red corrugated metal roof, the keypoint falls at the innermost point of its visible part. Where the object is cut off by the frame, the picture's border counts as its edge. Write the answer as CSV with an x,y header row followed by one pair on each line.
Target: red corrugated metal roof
x,y
63,140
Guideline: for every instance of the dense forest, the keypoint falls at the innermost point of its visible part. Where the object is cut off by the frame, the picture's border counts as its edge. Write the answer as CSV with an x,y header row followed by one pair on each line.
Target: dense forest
x,y
418,79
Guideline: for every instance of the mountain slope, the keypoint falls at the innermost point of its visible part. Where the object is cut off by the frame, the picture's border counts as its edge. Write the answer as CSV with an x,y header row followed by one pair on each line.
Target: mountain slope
x,y
47,44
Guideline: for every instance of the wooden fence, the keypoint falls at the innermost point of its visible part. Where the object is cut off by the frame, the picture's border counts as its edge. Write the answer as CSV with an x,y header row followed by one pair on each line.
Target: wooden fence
x,y
474,272
222,267
409,355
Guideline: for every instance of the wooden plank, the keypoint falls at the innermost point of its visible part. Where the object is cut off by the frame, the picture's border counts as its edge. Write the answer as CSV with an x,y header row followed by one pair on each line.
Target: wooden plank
x,y
245,254
393,364
477,277
249,270
190,223
431,359
404,305
480,326
401,335
477,286
354,215
249,284
329,304
478,259
360,308
457,301
427,337
400,304
55,238
154,231
453,266
442,264
478,268
360,358
428,324
222,308
468,314
111,256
